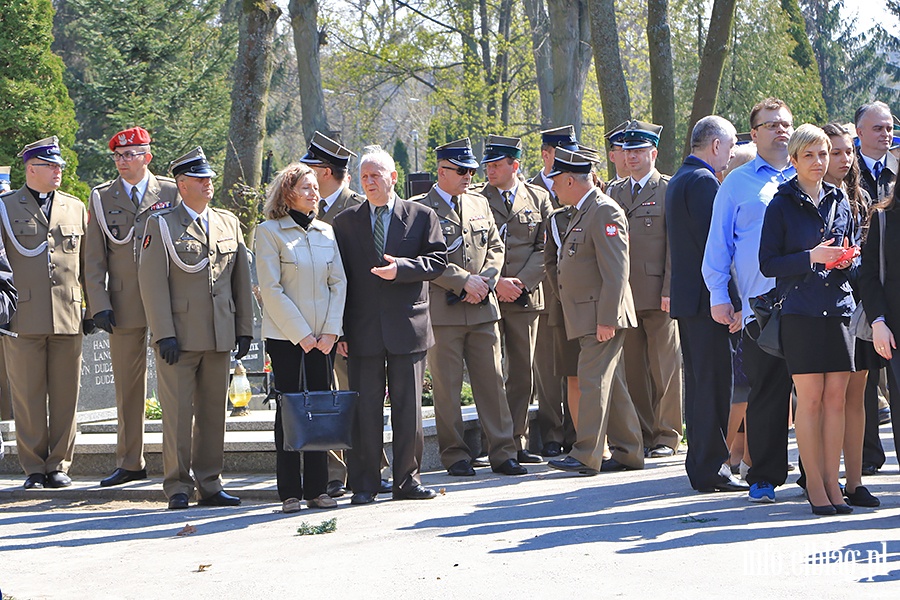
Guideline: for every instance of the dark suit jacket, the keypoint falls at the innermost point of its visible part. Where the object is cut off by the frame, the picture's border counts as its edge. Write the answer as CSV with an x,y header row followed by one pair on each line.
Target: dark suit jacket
x,y
882,300
689,205
384,315
881,189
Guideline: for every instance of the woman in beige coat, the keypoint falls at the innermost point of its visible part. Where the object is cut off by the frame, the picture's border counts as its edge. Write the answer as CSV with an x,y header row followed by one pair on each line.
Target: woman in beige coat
x,y
303,289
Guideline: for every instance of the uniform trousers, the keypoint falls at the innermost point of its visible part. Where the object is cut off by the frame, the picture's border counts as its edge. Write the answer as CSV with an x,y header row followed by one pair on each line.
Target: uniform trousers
x,y
555,423
767,410
605,407
5,390
654,345
286,358
519,331
128,349
404,375
479,346
193,394
45,376
708,351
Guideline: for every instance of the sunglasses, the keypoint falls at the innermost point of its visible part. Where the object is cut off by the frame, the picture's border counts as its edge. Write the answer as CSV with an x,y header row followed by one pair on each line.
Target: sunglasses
x,y
461,170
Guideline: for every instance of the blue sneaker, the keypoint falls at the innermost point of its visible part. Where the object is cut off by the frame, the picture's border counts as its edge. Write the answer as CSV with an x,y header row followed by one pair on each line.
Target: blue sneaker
x,y
762,491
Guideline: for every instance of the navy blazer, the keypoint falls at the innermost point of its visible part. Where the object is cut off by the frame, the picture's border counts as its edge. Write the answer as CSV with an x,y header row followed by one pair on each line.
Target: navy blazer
x,y
689,204
381,315
792,227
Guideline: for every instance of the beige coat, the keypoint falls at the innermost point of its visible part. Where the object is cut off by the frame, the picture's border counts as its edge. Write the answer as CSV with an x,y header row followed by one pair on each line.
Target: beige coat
x,y
206,310
49,284
301,279
592,272
473,247
104,257
650,261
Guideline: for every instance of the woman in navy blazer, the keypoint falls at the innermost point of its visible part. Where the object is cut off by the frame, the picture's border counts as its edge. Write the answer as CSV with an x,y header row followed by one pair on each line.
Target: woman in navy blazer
x,y
805,227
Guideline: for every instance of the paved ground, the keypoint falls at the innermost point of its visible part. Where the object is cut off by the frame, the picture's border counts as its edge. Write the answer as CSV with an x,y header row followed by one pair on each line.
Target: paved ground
x,y
547,535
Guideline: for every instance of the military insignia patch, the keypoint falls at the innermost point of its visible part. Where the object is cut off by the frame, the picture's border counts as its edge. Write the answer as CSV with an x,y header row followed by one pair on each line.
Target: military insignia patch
x,y
161,205
612,230
146,241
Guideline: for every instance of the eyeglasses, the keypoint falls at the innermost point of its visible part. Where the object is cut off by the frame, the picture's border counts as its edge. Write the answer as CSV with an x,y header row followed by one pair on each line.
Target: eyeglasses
x,y
461,170
126,156
53,166
773,125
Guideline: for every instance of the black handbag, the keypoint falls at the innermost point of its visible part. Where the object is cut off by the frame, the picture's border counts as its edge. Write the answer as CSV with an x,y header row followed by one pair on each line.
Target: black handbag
x,y
767,310
317,421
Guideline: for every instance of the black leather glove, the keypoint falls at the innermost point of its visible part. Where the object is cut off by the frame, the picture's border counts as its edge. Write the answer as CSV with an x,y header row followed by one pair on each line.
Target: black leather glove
x,y
105,320
243,346
88,327
168,349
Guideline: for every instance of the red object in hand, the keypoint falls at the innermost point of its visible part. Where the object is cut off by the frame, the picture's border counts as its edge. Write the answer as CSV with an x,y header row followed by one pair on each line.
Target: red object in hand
x,y
849,254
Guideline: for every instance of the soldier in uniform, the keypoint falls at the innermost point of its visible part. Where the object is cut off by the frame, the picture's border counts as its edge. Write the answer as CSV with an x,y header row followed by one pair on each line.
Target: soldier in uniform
x,y
591,277
520,211
615,153
550,368
42,231
655,341
464,315
194,277
119,212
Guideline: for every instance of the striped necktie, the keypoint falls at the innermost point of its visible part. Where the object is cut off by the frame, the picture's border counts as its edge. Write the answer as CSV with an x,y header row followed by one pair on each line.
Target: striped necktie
x,y
378,231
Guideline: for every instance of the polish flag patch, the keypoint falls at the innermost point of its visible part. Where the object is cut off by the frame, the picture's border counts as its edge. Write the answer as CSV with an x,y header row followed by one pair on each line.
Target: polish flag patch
x,y
612,230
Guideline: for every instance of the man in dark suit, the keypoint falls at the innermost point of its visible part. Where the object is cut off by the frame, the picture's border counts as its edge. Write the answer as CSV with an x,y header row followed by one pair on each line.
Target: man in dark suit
x,y
706,345
390,249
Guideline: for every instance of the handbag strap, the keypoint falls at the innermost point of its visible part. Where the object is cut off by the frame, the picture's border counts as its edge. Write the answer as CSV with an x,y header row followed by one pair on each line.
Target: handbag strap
x,y
330,368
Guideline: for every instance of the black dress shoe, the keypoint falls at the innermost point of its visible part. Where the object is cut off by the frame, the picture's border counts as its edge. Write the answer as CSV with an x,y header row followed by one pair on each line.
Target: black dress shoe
x,y
362,498
731,484
510,467
57,479
461,468
552,449
610,465
35,481
481,461
419,492
524,456
178,502
220,498
661,451
335,489
869,469
386,487
120,476
861,497
572,465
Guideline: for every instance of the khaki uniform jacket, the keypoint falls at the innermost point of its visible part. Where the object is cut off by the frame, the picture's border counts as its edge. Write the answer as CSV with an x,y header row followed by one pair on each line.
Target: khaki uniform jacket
x,y
473,247
301,279
49,284
650,260
522,231
119,292
346,199
206,310
592,273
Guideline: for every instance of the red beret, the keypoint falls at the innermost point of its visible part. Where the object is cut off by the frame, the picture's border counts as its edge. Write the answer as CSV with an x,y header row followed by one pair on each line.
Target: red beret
x,y
136,136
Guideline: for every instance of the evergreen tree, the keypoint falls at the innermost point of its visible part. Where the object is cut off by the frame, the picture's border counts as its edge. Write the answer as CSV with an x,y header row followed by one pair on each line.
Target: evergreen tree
x,y
401,155
34,102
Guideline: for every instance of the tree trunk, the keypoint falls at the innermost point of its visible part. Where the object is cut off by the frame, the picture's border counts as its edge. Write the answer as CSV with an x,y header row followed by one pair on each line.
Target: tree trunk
x,y
712,63
662,81
570,47
610,76
539,24
304,23
249,97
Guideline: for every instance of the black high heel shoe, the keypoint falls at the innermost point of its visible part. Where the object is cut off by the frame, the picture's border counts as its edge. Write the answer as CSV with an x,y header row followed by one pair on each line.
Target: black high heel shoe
x,y
823,511
842,509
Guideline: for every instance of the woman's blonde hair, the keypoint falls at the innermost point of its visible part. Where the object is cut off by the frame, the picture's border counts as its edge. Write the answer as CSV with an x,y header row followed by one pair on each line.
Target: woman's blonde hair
x,y
281,191
806,135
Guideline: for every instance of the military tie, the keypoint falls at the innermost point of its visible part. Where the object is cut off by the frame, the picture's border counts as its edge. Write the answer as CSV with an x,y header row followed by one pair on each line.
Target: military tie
x,y
378,232
635,191
457,208
323,208
203,229
507,200
135,195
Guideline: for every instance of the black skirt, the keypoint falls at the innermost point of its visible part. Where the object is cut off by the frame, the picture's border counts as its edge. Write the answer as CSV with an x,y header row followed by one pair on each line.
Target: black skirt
x,y
817,344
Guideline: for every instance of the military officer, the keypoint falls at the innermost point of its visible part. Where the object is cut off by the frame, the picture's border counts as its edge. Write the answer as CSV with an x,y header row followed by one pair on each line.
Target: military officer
x,y
119,212
655,341
591,276
194,277
615,153
464,315
520,211
42,231
557,433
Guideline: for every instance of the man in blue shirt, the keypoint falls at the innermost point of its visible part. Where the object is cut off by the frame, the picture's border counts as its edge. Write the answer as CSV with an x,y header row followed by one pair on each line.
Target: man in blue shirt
x,y
733,240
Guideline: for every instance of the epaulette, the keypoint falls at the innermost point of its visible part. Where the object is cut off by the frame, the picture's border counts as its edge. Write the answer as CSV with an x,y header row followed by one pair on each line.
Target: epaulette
x,y
164,178
665,177
224,212
535,188
68,195
477,188
417,197
103,185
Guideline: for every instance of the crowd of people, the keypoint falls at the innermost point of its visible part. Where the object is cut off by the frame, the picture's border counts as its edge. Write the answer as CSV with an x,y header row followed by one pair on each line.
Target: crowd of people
x,y
619,307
